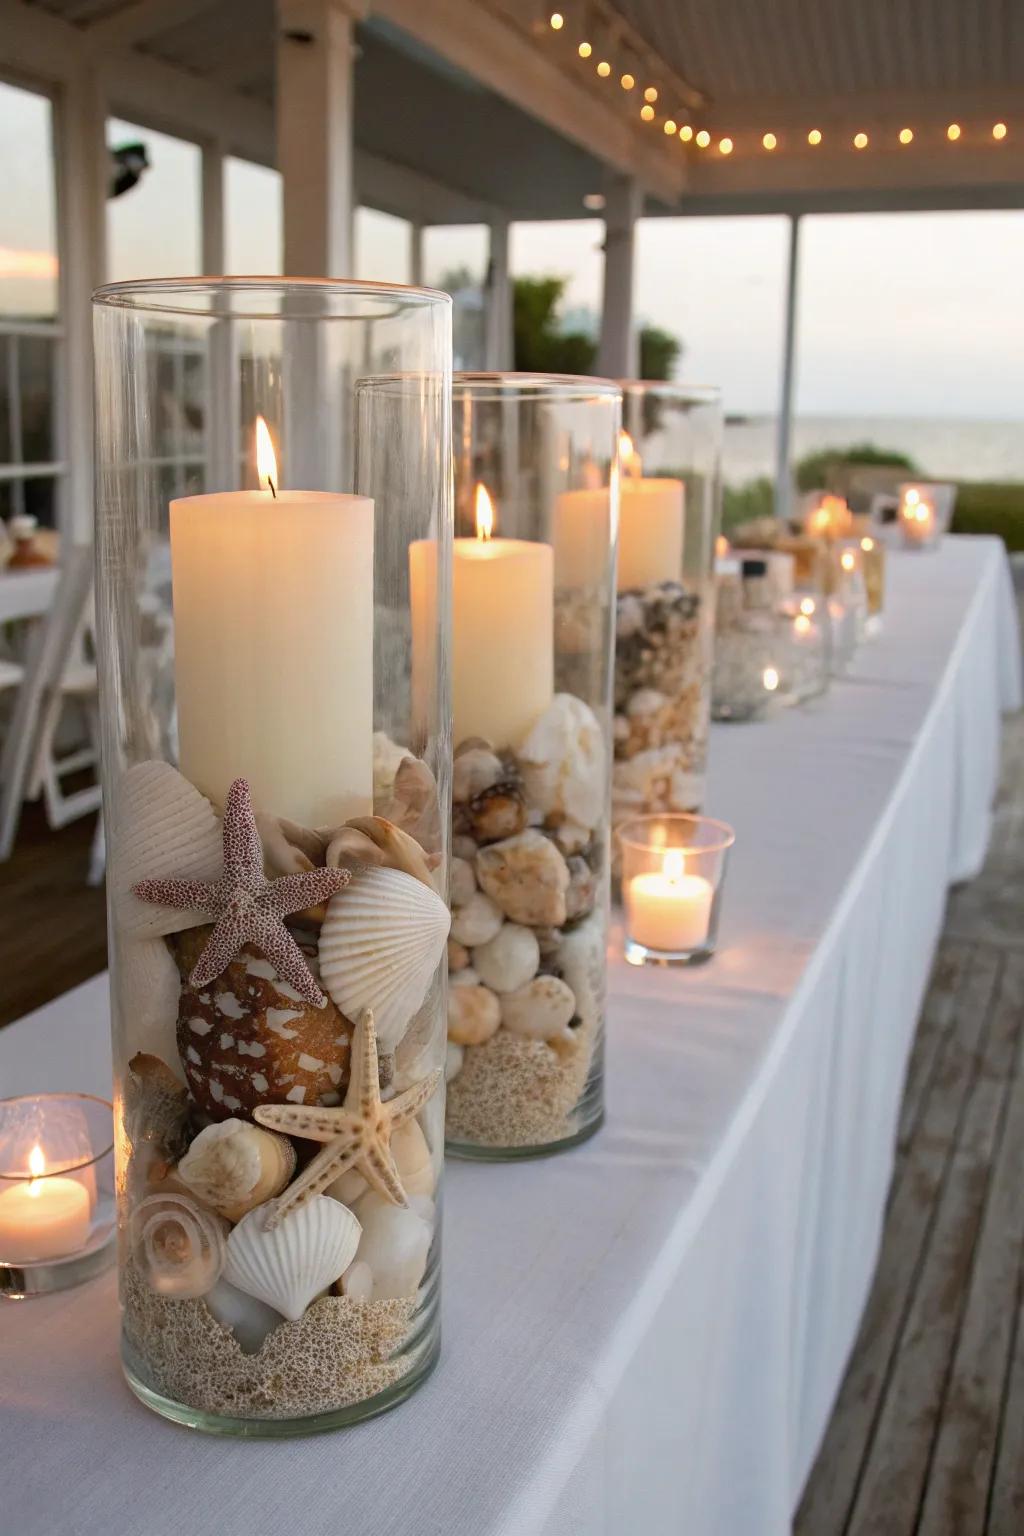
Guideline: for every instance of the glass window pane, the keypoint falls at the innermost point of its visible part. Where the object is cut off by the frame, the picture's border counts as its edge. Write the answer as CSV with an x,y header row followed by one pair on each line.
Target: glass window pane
x,y
911,340
154,226
6,446
455,259
35,369
564,321
383,251
718,286
28,206
41,500
253,219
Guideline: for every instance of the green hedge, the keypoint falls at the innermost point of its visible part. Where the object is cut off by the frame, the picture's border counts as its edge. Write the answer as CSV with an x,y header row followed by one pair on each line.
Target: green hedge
x,y
983,507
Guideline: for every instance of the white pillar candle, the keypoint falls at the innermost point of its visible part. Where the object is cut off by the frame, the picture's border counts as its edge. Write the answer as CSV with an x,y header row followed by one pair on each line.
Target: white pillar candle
x,y
43,1218
651,522
273,626
581,537
503,666
668,909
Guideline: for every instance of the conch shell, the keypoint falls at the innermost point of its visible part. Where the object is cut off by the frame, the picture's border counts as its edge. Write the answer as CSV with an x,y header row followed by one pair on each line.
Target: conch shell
x,y
233,1166
289,1266
178,1246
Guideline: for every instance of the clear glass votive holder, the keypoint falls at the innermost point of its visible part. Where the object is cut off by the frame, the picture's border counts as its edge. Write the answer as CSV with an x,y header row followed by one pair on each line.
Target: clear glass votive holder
x,y
872,554
673,871
749,638
925,512
57,1208
805,647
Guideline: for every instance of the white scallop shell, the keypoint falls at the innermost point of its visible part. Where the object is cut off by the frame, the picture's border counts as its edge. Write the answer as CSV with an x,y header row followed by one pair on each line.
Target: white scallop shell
x,y
380,944
312,1245
165,827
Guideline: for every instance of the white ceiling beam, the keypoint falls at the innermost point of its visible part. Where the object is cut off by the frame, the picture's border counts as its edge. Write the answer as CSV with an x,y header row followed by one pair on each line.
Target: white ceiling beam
x,y
142,19
900,108
498,56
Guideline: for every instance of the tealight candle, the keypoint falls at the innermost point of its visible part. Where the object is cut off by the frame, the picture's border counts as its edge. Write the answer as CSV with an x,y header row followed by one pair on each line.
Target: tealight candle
x,y
917,516
670,909
672,872
43,1217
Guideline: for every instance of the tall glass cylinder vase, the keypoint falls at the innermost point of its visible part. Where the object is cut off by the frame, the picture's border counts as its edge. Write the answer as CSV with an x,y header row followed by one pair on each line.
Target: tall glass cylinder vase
x,y
536,499
277,812
665,624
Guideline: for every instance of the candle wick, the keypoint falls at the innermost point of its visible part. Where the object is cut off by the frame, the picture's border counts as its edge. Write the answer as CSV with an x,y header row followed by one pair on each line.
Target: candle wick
x,y
272,490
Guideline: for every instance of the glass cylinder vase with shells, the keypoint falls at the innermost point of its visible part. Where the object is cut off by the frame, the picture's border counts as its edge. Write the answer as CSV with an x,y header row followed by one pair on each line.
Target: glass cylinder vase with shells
x,y
532,600
277,823
670,512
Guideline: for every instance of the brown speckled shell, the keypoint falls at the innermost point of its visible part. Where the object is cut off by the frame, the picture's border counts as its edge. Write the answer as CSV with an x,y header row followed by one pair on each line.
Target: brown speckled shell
x,y
248,1038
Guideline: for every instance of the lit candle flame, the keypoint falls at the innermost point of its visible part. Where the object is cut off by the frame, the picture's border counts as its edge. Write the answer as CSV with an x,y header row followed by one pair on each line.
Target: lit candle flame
x,y
36,1167
673,864
867,545
801,624
807,605
722,546
484,513
770,679
846,560
629,459
266,458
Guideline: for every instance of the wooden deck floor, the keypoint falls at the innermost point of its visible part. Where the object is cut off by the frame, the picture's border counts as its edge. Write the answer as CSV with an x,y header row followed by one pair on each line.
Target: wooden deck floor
x,y
927,1437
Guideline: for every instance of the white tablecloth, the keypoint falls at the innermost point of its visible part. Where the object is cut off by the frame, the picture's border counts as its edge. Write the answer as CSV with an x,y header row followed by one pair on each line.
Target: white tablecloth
x,y
26,594
648,1333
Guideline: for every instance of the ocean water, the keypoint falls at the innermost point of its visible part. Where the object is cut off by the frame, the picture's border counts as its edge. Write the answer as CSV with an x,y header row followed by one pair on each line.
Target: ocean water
x,y
942,448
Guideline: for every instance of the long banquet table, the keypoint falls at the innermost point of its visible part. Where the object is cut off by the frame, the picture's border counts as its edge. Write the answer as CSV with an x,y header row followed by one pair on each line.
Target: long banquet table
x,y
648,1333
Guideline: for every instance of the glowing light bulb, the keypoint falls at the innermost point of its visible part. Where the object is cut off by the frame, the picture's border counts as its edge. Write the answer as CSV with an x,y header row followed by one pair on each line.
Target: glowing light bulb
x,y
604,69
651,93
725,146
860,141
953,132
686,133
703,139
906,135
647,113
584,50
814,137
627,82
670,126
999,130
557,21
769,141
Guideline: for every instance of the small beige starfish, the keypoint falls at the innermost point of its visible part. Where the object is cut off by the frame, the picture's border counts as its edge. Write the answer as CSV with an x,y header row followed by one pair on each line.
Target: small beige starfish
x,y
356,1135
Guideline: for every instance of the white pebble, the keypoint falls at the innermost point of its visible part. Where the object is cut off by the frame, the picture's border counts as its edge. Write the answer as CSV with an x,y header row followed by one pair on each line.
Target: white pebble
x,y
541,1010
461,883
454,1057
509,960
474,1015
476,922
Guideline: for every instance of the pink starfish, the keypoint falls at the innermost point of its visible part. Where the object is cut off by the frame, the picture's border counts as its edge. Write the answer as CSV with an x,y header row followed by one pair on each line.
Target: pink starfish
x,y
245,907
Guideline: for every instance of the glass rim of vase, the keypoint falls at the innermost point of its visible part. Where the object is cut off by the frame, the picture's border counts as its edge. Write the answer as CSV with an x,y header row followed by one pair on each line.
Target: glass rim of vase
x,y
708,394
725,838
156,295
534,386
64,1168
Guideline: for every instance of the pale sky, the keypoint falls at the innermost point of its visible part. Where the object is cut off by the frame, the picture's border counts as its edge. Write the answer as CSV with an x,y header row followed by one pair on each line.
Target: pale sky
x,y
900,314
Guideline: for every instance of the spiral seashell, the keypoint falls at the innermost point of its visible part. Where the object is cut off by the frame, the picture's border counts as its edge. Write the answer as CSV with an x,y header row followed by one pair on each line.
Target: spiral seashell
x,y
380,944
234,1165
289,1266
164,825
178,1246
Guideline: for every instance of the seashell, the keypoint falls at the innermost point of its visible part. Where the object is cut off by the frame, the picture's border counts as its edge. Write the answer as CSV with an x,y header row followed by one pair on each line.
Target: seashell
x,y
413,804
582,892
395,1245
562,762
477,921
475,770
497,812
177,1245
541,1010
398,850
458,956
288,847
234,1165
380,946
164,826
249,1038
249,1320
454,1057
527,877
388,757
509,960
411,1152
146,986
290,1265
461,881
357,1281
474,1014
155,1107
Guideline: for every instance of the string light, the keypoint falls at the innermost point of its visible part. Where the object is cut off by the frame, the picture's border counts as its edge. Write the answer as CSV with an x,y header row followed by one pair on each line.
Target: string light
x,y
647,113
584,50
999,130
557,21
627,82
725,146
686,133
860,141
769,141
651,93
703,139
670,126
906,135
604,69
953,132
814,137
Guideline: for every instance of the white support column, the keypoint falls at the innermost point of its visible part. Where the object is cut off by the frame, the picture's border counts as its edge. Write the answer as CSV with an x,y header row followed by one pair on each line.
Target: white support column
x,y
222,417
783,475
617,356
315,57
416,255
82,177
498,349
